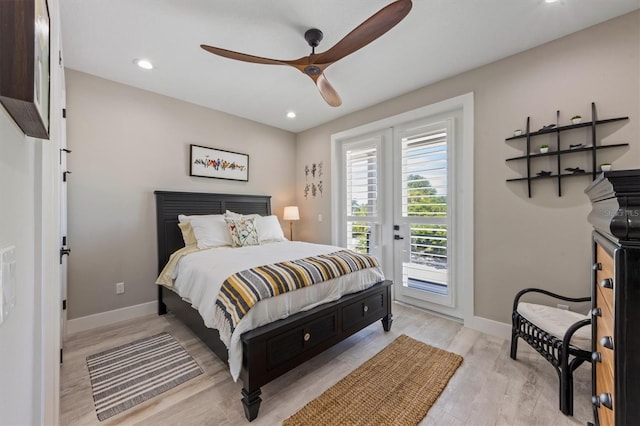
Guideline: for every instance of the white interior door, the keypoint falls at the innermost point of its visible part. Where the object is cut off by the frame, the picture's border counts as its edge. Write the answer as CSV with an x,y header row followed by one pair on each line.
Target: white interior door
x,y
64,249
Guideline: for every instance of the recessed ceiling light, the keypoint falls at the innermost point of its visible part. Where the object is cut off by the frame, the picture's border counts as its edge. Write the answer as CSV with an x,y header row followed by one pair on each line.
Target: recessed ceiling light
x,y
143,63
550,1
291,114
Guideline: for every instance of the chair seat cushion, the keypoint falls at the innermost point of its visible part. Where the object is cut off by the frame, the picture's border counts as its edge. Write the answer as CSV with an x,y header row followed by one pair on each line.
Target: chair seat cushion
x,y
556,322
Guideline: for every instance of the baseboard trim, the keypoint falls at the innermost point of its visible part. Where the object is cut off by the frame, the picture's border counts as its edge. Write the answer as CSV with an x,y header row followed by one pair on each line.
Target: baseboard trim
x,y
491,327
89,322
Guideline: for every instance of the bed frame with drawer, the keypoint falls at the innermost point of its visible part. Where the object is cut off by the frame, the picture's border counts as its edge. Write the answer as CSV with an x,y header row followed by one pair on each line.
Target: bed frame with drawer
x,y
278,347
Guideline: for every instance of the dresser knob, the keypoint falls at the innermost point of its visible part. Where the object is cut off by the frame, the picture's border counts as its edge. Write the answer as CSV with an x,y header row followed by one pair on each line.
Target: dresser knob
x,y
595,401
596,357
606,283
605,399
607,342
597,266
307,336
596,312
366,308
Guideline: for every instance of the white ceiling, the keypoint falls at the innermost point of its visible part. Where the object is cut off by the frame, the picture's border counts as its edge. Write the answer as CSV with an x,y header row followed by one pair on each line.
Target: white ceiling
x,y
438,39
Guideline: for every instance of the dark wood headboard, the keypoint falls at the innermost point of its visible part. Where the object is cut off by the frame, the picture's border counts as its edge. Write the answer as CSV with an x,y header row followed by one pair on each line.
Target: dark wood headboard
x,y
170,204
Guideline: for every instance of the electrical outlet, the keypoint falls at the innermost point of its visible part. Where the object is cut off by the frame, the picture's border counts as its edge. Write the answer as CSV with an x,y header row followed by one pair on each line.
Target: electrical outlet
x,y
119,288
563,307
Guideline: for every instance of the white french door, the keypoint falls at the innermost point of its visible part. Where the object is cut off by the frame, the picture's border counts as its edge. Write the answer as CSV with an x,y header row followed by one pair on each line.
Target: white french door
x,y
422,226
403,191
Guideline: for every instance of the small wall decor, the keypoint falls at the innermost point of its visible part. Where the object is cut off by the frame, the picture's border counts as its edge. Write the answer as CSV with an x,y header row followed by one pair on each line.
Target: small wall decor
x,y
218,164
24,64
315,186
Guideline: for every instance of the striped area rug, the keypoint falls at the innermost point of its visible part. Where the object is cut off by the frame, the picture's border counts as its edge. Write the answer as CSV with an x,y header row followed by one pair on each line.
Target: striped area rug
x,y
130,374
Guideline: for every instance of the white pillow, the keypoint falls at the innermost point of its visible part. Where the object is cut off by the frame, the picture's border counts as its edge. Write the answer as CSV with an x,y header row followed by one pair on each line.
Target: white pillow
x,y
210,231
184,218
269,228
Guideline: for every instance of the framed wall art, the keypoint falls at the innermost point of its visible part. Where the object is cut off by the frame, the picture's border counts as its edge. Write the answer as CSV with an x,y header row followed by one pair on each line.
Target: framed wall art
x,y
25,64
218,164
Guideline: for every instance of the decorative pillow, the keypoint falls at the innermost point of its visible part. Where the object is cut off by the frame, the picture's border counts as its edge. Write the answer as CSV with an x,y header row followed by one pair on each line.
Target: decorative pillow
x,y
237,216
187,234
232,215
243,232
269,228
210,231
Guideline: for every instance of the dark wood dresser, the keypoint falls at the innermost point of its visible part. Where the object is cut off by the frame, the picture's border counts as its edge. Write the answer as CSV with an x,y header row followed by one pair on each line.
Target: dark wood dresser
x,y
615,291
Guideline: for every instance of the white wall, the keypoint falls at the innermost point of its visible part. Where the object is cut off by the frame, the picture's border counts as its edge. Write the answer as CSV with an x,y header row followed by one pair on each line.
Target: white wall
x,y
128,142
520,242
29,337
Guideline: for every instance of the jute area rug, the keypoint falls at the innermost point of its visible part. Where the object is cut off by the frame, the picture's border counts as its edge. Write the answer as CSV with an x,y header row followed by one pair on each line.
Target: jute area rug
x,y
128,375
397,386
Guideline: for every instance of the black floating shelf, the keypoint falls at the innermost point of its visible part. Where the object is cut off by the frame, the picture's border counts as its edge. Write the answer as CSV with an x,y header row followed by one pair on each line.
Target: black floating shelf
x,y
568,151
563,175
558,152
569,127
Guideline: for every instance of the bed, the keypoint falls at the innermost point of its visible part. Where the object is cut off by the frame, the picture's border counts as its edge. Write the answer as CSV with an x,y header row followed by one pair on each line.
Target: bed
x,y
275,348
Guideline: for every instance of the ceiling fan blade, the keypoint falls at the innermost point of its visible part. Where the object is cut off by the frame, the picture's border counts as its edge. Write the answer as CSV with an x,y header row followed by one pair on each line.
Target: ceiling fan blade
x,y
242,56
327,91
378,24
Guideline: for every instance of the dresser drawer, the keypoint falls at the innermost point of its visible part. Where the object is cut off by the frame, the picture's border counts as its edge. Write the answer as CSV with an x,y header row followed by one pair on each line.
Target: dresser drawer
x,y
605,295
285,346
363,310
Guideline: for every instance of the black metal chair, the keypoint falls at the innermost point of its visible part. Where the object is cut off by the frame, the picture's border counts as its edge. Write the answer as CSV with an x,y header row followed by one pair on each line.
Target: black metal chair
x,y
554,345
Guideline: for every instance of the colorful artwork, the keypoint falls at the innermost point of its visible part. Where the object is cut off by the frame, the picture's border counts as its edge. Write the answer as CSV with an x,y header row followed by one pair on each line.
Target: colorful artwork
x,y
219,164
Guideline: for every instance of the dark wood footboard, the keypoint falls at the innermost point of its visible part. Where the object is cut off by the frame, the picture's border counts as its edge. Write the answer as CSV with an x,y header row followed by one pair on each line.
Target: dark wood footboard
x,y
276,348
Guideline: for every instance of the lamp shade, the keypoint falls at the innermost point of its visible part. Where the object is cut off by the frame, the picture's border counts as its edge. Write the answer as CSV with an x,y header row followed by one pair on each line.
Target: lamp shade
x,y
291,213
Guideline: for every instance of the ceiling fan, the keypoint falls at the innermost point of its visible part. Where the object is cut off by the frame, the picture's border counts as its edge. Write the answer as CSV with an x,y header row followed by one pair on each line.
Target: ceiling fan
x,y
315,64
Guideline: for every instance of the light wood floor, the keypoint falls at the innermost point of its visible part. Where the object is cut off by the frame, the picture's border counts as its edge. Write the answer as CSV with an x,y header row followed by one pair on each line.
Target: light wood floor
x,y
488,389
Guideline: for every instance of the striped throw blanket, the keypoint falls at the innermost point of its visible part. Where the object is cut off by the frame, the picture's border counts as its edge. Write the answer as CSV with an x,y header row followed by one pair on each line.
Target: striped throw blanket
x,y
244,289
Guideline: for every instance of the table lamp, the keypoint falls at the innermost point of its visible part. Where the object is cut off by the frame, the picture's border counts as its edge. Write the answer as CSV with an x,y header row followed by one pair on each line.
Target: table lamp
x,y
291,213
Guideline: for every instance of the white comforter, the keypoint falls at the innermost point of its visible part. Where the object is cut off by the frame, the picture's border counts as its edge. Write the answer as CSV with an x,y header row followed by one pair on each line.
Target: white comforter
x,y
199,276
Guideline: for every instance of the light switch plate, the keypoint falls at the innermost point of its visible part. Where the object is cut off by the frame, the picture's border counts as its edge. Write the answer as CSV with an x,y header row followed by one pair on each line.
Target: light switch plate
x,y
7,281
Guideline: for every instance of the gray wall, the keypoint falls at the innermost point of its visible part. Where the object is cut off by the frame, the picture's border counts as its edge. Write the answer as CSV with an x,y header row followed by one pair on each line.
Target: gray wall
x,y
519,241
127,143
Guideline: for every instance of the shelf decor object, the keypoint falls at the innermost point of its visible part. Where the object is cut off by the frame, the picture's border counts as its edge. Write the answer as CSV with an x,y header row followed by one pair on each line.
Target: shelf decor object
x,y
559,152
25,64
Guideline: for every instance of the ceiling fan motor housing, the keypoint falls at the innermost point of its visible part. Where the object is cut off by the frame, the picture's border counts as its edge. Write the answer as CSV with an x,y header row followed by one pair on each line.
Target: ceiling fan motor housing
x,y
313,37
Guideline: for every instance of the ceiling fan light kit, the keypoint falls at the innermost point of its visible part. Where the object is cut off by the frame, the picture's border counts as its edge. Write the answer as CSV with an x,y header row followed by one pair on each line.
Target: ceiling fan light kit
x,y
315,64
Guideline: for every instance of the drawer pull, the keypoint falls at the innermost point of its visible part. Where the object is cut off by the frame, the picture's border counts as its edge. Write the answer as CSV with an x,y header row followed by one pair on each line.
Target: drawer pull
x,y
366,308
605,399
596,312
606,283
607,342
597,266
307,336
596,357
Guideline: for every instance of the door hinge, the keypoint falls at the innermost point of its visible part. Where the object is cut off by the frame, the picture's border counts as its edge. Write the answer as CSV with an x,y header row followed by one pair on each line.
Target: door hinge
x,y
60,355
64,113
64,251
64,305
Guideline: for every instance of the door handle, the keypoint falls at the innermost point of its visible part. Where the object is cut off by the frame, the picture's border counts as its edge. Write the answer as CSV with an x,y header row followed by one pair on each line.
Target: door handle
x,y
398,237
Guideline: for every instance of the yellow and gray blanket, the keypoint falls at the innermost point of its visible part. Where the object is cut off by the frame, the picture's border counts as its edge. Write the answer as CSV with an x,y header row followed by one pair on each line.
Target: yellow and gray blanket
x,y
244,289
